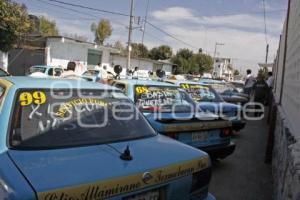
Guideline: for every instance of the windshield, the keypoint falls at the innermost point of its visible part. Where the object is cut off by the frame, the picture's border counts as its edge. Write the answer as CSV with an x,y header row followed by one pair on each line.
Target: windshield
x,y
91,73
160,98
224,88
201,93
37,69
3,73
64,118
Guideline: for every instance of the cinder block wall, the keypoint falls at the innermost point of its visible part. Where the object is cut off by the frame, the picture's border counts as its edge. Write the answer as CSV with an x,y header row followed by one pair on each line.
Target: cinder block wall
x,y
286,151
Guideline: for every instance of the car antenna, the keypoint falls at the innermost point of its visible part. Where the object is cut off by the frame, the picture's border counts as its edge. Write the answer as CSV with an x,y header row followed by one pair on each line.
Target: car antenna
x,y
125,155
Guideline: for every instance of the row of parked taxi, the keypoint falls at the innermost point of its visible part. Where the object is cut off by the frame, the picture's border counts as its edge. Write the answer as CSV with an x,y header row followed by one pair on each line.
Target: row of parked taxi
x,y
134,139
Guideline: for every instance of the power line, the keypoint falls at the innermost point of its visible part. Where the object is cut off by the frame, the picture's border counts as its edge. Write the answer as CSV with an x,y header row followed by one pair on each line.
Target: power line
x,y
170,35
89,8
78,12
116,13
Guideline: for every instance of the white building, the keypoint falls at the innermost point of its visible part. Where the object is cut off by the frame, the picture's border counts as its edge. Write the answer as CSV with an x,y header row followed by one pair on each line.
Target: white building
x,y
223,69
60,50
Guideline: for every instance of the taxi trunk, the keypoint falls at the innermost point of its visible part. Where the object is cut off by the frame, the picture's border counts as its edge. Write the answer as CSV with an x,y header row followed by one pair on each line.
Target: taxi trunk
x,y
97,172
211,135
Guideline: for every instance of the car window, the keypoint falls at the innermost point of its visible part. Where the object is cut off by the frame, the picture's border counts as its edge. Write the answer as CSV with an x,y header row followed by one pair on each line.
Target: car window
x,y
3,73
91,73
160,98
57,72
2,90
50,72
64,118
222,88
201,93
120,86
37,69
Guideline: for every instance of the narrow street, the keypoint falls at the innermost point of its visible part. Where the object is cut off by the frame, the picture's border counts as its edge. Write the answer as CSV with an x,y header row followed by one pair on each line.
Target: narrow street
x,y
244,175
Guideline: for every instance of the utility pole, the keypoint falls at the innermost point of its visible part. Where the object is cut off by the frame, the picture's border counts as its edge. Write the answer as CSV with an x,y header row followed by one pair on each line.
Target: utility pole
x,y
214,58
144,27
129,35
267,53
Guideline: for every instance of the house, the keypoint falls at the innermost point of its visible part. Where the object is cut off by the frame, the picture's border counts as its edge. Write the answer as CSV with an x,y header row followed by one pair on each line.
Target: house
x,y
223,68
269,66
58,51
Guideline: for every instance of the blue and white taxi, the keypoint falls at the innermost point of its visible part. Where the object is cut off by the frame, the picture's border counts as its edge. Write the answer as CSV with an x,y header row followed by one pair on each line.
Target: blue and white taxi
x,y
76,140
173,113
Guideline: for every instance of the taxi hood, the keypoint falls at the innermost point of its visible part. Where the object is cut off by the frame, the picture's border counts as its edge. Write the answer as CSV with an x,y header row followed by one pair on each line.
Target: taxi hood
x,y
86,172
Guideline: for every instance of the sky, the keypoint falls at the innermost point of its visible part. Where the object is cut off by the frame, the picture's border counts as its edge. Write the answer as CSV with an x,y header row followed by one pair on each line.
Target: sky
x,y
238,24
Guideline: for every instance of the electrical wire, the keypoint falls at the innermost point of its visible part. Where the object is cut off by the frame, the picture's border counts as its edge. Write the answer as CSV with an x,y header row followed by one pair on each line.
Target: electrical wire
x,y
78,11
90,8
170,35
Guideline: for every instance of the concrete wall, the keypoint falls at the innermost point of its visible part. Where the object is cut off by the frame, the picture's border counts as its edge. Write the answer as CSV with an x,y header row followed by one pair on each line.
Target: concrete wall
x,y
60,51
286,151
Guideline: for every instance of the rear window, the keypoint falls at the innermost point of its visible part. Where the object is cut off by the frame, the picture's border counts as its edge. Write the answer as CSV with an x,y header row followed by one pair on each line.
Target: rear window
x,y
224,88
3,73
65,118
201,93
37,69
160,98
91,73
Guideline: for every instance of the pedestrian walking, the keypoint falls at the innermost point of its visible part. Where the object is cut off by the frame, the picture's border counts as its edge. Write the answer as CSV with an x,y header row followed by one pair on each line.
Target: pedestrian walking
x,y
260,89
249,82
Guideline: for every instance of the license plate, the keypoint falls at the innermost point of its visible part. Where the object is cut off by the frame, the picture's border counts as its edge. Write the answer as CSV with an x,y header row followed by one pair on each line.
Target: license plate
x,y
152,195
199,136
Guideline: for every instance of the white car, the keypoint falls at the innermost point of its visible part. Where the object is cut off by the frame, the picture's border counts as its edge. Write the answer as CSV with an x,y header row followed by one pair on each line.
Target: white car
x,y
45,71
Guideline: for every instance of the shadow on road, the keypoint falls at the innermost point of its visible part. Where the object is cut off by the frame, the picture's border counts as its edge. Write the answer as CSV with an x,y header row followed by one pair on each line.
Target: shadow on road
x,y
244,175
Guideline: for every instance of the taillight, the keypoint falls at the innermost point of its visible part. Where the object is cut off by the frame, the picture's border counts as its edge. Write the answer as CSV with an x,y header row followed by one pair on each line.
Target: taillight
x,y
200,181
172,135
226,132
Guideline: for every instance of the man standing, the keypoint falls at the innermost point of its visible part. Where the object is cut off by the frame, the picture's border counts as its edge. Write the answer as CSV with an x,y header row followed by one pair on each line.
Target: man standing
x,y
250,80
70,72
104,74
270,80
260,89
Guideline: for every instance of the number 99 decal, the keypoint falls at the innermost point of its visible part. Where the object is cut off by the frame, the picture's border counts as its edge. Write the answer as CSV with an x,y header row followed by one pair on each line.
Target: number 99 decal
x,y
27,98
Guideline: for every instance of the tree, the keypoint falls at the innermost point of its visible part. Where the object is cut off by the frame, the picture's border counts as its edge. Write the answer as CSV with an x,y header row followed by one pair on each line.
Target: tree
x,y
14,23
139,50
184,61
102,31
204,63
188,62
236,72
118,45
162,52
48,27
